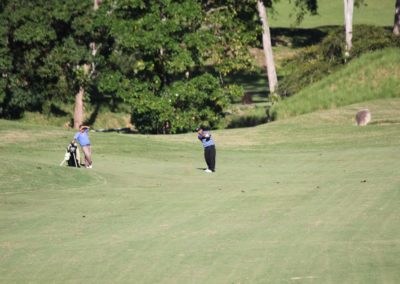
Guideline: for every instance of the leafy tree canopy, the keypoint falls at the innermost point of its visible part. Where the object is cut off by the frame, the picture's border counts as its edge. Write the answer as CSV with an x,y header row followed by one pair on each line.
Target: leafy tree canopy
x,y
166,58
41,47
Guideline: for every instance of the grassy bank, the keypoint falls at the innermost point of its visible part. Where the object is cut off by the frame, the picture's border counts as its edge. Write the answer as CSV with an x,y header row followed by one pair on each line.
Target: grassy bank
x,y
372,76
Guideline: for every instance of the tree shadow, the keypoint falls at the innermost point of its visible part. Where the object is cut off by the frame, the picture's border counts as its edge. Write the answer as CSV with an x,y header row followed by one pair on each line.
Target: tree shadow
x,y
298,37
248,121
253,97
125,130
93,116
56,111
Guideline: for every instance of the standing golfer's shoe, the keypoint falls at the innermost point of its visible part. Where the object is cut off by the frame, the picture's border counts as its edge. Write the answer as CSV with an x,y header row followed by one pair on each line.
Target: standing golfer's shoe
x,y
208,171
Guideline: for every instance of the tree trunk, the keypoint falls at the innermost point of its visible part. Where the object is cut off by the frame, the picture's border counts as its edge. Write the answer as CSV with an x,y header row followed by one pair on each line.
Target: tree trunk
x,y
267,46
348,18
396,26
78,113
96,4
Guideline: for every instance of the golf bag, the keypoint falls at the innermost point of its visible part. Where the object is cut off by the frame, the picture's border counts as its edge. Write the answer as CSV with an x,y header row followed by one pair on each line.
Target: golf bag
x,y
72,156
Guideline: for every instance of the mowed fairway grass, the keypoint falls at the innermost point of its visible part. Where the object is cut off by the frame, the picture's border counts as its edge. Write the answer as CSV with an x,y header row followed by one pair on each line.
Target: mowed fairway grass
x,y
310,199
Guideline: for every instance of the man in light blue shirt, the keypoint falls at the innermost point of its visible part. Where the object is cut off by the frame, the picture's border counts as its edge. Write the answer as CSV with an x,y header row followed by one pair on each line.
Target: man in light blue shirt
x,y
83,138
209,149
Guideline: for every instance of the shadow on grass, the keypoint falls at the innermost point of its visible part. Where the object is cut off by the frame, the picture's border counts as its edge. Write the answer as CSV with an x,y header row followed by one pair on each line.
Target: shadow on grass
x,y
247,121
93,116
56,111
297,37
125,130
384,122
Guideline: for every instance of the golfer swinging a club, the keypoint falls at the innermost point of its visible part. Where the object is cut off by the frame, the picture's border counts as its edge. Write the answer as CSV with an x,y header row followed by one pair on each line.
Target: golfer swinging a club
x,y
209,149
83,138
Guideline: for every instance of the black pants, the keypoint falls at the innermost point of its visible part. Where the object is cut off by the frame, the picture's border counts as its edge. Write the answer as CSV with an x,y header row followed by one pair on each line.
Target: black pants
x,y
209,155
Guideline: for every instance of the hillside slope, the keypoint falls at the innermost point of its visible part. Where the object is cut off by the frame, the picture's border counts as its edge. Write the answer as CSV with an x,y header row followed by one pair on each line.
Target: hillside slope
x,y
372,76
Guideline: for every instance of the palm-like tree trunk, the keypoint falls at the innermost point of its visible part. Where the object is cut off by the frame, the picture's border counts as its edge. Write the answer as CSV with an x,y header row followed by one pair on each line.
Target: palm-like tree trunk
x,y
267,46
96,4
348,19
396,26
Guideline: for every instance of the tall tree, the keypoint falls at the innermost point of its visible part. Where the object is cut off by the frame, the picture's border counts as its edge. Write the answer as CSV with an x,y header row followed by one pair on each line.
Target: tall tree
x,y
160,56
301,7
348,19
88,71
267,46
43,42
396,26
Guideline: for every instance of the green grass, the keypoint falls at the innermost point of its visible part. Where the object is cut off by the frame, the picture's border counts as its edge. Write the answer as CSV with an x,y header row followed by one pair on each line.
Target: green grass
x,y
98,118
372,76
308,199
376,12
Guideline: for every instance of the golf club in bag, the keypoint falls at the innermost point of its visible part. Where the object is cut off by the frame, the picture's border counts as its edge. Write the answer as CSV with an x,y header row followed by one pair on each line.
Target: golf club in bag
x,y
72,156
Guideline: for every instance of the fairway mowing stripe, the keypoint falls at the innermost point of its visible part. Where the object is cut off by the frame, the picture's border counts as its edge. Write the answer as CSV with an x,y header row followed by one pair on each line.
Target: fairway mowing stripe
x,y
304,277
101,182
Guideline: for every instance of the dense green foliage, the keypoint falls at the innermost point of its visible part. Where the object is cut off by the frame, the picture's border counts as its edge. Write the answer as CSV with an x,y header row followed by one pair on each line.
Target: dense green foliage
x,y
142,52
42,43
166,59
320,60
159,56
